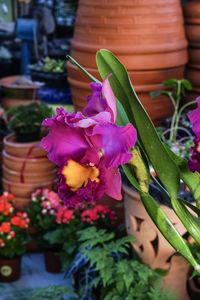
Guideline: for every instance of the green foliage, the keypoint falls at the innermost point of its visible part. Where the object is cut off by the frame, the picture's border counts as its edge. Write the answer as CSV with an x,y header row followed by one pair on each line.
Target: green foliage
x,y
25,119
117,275
15,246
53,292
50,65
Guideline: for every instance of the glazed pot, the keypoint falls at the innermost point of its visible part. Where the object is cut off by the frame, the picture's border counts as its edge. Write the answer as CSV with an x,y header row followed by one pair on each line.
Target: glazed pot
x,y
24,190
29,165
31,150
25,168
52,261
10,269
17,94
151,46
29,177
152,247
192,25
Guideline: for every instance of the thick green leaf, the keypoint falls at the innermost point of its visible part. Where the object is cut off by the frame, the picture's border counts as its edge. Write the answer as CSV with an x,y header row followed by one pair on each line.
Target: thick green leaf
x,y
195,209
167,228
191,179
164,166
187,85
189,221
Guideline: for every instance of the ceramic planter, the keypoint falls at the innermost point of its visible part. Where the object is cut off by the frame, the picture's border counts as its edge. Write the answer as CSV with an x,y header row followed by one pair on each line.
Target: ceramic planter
x,y
25,168
152,46
17,94
192,25
10,269
52,261
152,247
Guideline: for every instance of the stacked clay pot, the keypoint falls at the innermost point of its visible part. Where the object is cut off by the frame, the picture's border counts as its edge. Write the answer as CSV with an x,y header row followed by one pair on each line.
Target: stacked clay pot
x,y
14,94
147,36
192,25
25,168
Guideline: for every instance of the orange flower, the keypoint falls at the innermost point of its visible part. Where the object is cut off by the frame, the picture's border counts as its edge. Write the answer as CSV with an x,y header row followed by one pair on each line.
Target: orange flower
x,y
19,221
5,227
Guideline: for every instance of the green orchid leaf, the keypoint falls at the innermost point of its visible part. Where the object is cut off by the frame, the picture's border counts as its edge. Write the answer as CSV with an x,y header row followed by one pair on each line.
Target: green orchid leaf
x,y
186,84
191,179
195,209
167,228
170,82
164,166
190,222
139,169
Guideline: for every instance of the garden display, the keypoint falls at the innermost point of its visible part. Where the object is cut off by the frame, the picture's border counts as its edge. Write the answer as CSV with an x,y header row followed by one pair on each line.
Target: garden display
x,y
152,47
90,161
25,165
13,238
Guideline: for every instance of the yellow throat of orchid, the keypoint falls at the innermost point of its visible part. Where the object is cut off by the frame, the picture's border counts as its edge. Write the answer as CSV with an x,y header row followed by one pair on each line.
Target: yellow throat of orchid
x,y
77,175
198,147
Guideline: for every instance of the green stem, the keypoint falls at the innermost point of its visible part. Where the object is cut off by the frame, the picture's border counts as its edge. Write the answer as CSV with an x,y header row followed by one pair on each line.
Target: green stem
x,y
74,62
181,111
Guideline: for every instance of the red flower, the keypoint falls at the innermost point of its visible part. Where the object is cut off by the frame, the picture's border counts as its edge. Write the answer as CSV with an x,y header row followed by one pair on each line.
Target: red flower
x,y
5,227
64,215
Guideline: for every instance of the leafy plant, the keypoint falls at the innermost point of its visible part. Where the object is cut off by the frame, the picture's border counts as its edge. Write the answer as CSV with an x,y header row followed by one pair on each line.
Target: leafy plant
x,y
177,136
150,150
50,65
27,119
13,225
54,292
105,264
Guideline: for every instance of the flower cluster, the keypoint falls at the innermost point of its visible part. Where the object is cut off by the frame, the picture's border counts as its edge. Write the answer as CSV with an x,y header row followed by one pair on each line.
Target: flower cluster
x,y
194,162
89,148
48,208
13,227
97,212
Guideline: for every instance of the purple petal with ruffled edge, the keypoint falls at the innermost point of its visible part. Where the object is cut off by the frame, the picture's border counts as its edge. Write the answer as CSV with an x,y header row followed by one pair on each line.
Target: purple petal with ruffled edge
x,y
114,142
113,190
96,103
194,117
110,98
63,141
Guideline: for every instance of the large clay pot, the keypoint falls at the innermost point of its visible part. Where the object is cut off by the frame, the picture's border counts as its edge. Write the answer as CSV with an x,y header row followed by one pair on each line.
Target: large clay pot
x,y
152,247
192,25
17,94
10,269
152,46
25,168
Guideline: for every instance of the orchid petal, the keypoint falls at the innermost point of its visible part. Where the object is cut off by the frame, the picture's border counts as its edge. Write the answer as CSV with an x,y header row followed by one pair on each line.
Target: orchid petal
x,y
110,98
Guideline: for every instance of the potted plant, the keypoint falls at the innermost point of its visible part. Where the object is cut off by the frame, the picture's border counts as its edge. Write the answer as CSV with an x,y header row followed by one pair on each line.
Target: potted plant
x,y
25,165
106,268
26,121
105,138
13,238
3,133
50,71
57,225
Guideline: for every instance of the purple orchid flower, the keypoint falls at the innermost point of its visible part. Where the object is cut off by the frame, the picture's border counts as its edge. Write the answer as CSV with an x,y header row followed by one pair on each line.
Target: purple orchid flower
x,y
89,148
194,117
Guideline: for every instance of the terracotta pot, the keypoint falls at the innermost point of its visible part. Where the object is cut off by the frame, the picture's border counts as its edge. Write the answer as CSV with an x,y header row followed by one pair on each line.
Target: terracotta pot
x,y
152,46
17,94
31,150
193,286
10,269
152,247
192,20
24,190
29,165
52,261
29,177
159,108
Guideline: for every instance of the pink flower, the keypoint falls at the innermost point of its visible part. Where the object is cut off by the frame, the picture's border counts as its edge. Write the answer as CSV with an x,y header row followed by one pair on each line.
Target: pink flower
x,y
89,149
64,215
